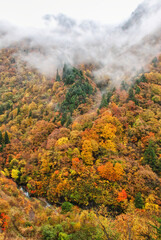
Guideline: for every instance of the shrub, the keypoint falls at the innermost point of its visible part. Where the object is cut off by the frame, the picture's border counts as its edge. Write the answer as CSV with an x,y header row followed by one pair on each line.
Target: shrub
x,y
88,233
66,207
63,236
52,233
47,232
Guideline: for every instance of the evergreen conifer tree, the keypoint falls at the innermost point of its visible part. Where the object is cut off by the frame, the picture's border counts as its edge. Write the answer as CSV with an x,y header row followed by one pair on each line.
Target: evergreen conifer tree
x,y
30,113
57,76
139,203
6,138
18,110
64,72
1,138
150,155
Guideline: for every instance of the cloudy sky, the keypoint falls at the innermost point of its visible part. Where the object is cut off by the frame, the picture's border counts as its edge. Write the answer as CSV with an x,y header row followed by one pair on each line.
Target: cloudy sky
x,y
30,12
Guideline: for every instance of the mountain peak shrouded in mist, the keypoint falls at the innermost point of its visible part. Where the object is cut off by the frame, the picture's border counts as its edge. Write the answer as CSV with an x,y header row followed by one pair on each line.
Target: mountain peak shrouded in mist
x,y
119,52
144,10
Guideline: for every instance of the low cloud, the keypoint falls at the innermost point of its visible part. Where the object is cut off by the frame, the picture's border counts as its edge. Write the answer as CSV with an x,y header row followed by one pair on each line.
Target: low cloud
x,y
119,52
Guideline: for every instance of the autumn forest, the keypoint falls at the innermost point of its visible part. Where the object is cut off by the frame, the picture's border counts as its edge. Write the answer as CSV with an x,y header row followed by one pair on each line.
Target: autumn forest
x,y
89,161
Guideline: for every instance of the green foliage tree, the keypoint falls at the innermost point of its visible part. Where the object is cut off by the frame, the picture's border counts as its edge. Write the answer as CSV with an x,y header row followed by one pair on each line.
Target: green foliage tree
x,y
124,86
1,109
69,120
106,99
63,236
1,138
57,76
30,113
150,156
65,69
103,101
76,95
18,110
68,74
131,94
1,142
52,233
66,207
63,118
154,61
137,90
71,74
141,79
88,233
139,203
48,232
6,138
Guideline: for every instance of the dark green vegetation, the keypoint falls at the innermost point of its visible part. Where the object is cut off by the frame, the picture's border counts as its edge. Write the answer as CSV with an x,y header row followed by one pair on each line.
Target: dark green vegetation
x,y
77,93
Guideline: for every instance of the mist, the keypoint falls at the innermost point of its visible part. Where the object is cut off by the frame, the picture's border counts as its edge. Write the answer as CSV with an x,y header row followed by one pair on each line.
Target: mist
x,y
119,52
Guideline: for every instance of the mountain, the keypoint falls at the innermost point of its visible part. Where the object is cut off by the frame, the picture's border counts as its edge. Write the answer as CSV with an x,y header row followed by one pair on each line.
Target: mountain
x,y
80,155
143,11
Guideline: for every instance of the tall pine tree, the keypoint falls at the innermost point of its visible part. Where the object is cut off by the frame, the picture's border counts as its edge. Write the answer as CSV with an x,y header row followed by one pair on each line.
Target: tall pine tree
x,y
1,142
150,157
57,76
6,138
1,138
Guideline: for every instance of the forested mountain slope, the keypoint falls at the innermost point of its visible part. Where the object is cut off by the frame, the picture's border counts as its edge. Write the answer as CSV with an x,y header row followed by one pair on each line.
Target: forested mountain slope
x,y
101,159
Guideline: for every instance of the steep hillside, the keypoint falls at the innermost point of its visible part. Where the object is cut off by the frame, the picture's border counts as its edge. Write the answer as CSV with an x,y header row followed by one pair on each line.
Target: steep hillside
x,y
31,218
60,146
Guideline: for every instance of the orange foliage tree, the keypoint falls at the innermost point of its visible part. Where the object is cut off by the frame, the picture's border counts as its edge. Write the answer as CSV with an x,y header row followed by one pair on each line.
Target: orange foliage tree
x,y
122,196
4,219
111,172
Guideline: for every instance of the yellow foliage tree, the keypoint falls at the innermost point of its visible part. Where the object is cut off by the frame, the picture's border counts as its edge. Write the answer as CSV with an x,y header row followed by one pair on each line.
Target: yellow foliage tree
x,y
150,205
87,152
15,174
62,141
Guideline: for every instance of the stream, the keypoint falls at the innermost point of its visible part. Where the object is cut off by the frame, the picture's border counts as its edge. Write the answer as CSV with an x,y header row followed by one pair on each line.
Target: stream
x,y
25,193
